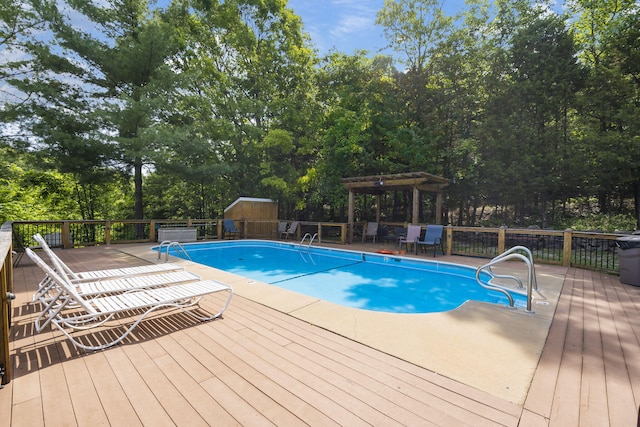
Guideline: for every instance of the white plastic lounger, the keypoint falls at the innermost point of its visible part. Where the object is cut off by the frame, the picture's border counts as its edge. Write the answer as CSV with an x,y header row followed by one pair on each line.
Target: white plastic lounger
x,y
121,284
63,269
47,286
70,310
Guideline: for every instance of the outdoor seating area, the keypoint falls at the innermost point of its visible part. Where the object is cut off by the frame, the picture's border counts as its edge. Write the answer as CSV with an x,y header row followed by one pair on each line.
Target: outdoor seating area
x,y
411,238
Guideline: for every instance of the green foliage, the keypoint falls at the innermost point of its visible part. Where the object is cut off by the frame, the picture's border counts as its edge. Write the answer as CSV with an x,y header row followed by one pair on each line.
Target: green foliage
x,y
26,193
612,223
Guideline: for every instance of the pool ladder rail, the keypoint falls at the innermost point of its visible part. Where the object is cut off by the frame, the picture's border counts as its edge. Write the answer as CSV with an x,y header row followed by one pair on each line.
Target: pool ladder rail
x,y
176,246
510,254
311,239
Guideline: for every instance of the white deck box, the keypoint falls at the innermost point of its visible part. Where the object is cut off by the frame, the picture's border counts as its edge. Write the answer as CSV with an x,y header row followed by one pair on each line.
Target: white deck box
x,y
183,234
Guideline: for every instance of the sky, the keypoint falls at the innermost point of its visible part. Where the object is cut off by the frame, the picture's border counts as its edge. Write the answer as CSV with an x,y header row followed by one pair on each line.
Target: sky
x,y
348,25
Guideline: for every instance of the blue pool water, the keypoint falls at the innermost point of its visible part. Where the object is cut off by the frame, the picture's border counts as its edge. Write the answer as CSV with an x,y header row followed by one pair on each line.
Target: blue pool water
x,y
354,279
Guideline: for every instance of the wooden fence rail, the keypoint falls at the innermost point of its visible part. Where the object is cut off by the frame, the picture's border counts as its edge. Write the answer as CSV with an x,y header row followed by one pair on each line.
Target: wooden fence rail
x,y
565,247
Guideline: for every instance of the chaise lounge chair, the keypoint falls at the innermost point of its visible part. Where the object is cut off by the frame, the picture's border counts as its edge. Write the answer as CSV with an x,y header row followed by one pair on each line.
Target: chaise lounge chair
x,y
69,310
413,235
371,231
432,238
113,281
103,274
230,230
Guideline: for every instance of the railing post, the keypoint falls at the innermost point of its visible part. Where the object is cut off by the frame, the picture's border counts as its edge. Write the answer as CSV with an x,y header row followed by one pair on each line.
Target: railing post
x,y
566,247
152,230
449,238
219,224
65,236
343,234
107,232
502,238
319,232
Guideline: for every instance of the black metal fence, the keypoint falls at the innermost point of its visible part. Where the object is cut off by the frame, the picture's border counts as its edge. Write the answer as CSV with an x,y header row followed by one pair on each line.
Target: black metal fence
x,y
580,249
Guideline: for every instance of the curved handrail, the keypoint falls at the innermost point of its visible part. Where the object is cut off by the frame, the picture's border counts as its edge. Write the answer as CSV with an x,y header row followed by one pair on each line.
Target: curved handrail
x,y
311,239
504,257
164,242
493,287
529,256
177,247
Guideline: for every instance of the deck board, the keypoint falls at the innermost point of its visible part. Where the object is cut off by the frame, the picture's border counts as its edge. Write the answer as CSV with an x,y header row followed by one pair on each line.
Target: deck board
x,y
258,366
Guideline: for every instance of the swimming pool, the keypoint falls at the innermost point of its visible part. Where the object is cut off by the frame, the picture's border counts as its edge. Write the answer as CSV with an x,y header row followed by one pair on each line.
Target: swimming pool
x,y
367,281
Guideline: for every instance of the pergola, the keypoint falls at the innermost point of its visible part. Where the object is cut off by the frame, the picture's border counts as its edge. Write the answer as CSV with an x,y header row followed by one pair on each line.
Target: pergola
x,y
378,184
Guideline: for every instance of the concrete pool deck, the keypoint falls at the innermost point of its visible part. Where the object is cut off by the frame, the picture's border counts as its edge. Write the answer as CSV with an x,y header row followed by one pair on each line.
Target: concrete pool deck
x,y
492,348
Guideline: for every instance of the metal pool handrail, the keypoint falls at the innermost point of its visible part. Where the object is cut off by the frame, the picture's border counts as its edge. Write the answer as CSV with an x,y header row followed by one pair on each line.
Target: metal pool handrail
x,y
530,259
178,248
311,239
510,254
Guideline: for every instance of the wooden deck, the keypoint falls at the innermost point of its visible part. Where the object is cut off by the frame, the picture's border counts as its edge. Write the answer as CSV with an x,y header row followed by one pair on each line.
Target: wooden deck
x,y
257,366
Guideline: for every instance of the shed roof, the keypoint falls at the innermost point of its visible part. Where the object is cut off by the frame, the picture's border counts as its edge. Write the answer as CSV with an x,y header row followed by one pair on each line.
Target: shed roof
x,y
248,199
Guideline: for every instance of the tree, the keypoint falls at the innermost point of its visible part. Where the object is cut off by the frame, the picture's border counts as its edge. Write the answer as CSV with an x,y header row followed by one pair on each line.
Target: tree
x,y
419,29
255,90
414,28
96,95
359,123
610,101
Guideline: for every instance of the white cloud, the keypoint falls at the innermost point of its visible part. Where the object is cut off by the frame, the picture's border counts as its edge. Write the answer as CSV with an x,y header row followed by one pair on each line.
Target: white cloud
x,y
351,24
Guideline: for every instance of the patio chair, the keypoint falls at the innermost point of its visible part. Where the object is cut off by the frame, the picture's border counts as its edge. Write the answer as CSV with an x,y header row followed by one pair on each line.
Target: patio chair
x,y
230,230
412,237
291,231
282,228
69,310
432,238
92,275
393,236
371,231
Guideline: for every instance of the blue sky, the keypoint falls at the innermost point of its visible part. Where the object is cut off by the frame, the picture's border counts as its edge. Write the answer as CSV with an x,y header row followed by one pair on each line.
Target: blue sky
x,y
348,25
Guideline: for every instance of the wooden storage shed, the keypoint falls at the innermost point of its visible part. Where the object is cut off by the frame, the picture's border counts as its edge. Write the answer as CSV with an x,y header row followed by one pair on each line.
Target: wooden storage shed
x,y
252,208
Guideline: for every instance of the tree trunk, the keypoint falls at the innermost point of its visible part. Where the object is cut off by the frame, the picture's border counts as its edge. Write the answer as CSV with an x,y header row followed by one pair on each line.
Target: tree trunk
x,y
138,211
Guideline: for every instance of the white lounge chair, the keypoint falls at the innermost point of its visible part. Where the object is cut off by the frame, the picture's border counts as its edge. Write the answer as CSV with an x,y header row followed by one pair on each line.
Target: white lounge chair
x,y
63,269
47,286
69,310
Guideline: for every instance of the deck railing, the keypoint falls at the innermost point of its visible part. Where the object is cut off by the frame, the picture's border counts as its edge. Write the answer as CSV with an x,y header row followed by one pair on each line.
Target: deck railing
x,y
580,249
6,288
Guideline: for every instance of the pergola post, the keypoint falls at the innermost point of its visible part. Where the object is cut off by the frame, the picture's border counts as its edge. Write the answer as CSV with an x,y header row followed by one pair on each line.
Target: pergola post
x,y
351,216
378,201
438,207
416,204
